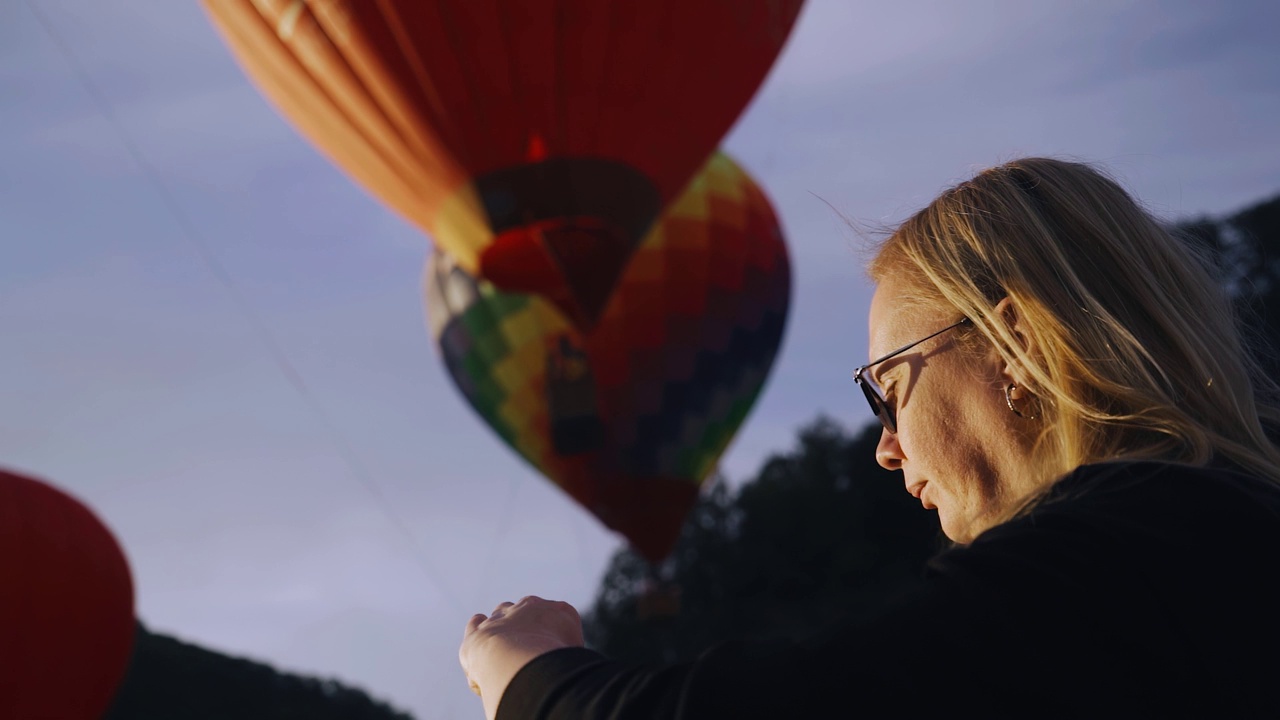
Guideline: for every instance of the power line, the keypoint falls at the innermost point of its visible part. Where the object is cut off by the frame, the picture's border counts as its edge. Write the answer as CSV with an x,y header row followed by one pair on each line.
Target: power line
x,y
197,241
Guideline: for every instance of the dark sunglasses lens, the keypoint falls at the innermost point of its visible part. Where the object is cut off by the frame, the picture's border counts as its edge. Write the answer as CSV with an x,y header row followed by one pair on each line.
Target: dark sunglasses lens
x,y
879,407
886,418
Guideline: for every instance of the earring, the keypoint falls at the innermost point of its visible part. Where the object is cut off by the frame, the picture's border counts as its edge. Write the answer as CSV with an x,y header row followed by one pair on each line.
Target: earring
x,y
1009,401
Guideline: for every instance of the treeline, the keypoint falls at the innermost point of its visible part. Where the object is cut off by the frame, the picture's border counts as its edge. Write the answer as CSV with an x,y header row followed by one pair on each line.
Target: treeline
x,y
822,532
170,679
1247,246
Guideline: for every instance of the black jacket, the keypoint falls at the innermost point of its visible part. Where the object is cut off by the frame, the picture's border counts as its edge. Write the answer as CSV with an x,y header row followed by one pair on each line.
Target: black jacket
x,y
1138,590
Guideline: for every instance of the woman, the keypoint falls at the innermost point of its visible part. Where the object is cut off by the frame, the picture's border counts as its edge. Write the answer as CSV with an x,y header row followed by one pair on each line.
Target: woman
x,y
1064,382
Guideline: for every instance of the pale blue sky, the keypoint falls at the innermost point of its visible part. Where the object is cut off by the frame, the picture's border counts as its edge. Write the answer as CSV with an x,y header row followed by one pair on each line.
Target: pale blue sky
x,y
132,376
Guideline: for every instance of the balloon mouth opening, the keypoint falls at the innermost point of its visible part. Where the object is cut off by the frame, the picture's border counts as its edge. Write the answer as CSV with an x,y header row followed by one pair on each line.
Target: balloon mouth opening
x,y
565,228
573,262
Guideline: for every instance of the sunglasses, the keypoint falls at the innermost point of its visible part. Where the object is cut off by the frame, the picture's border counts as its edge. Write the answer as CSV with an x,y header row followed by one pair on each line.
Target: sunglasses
x,y
872,389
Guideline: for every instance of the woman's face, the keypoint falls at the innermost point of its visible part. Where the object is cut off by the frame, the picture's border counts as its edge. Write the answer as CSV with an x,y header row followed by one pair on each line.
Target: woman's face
x,y
959,447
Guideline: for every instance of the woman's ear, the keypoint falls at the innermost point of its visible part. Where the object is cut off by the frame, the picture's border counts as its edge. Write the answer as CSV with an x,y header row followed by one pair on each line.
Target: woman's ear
x,y
1015,323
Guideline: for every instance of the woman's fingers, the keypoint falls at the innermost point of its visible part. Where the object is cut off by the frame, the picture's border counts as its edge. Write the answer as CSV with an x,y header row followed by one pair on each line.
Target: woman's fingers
x,y
496,646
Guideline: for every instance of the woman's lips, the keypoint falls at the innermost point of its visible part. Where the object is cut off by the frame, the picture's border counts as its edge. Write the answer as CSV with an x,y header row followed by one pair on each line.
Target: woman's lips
x,y
924,500
917,492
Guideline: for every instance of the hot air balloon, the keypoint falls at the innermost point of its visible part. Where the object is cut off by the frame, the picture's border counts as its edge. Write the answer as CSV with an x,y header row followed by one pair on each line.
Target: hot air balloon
x,y
536,141
631,416
66,605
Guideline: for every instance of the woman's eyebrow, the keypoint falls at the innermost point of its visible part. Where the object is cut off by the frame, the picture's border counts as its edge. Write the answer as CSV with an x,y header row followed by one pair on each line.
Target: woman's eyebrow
x,y
888,367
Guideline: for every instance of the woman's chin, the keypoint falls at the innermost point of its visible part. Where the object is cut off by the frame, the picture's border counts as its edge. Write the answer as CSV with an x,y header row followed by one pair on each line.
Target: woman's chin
x,y
956,532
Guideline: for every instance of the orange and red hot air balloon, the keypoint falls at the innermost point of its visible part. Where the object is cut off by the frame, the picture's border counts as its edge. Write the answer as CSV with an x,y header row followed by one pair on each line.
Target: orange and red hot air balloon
x,y
536,141
66,605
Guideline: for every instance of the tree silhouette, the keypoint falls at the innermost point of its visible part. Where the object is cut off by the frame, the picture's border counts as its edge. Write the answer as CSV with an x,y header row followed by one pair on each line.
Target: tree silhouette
x,y
169,678
820,533
1246,245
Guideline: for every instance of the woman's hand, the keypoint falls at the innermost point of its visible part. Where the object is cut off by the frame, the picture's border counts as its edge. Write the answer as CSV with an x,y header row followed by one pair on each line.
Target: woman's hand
x,y
494,648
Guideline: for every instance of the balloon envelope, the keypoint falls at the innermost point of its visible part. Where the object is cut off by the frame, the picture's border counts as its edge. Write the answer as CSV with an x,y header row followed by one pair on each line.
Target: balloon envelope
x,y
630,417
66,605
535,140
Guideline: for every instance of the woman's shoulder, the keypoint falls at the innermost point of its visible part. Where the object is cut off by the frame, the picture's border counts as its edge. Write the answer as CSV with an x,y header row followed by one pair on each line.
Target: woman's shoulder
x,y
1152,480
1166,569
1139,518
1147,499
1141,469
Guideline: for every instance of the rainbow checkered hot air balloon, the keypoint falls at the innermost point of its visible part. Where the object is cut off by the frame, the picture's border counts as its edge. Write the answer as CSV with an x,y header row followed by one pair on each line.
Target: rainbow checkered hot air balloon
x,y
630,416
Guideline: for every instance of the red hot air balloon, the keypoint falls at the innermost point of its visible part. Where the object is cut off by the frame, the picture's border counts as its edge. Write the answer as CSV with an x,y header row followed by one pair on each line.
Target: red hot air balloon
x,y
535,140
66,605
630,417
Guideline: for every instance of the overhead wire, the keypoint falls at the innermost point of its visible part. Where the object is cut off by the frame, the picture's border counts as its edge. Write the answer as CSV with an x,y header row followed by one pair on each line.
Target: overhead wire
x,y
342,447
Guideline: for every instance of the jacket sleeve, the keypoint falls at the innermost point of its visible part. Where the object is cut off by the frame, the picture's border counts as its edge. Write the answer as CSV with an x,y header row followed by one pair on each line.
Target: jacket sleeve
x,y
946,647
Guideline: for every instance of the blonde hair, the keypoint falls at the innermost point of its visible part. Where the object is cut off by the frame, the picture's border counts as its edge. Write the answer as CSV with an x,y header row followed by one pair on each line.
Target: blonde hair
x,y
1132,349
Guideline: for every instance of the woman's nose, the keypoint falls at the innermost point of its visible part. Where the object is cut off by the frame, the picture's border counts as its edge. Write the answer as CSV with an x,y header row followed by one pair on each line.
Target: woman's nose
x,y
888,451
